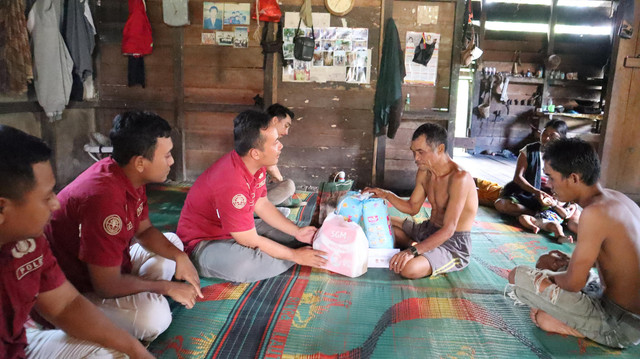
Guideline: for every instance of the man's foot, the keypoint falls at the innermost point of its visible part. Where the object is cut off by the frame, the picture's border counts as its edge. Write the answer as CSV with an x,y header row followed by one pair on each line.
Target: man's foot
x,y
565,239
292,203
284,210
546,322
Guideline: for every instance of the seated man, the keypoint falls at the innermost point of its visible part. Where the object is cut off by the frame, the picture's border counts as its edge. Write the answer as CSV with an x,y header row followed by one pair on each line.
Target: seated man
x,y
29,272
104,239
216,223
442,244
279,190
608,237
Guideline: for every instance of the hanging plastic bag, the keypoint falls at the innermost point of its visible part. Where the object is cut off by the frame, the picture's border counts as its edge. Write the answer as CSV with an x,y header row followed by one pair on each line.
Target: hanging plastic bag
x,y
329,194
424,51
346,246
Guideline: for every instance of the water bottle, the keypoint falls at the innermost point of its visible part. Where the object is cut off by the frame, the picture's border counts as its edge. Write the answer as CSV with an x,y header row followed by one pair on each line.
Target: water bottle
x,y
407,103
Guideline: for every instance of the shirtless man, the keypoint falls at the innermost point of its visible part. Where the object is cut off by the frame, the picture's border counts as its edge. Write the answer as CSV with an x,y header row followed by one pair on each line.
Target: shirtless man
x,y
608,237
442,244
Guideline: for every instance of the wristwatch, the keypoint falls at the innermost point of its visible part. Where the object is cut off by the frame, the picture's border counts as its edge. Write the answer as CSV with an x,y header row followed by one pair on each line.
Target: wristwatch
x,y
414,251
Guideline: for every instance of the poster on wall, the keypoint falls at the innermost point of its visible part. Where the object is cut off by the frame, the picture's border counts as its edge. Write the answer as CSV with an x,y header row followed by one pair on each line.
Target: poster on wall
x,y
421,58
341,54
219,24
212,15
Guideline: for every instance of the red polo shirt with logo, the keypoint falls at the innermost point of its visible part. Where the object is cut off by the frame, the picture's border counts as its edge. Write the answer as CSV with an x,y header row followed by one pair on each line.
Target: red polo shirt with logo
x,y
100,212
221,201
27,268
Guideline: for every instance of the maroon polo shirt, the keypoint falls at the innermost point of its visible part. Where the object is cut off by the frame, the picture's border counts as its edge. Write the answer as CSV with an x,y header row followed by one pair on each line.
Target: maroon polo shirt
x,y
27,267
222,200
100,212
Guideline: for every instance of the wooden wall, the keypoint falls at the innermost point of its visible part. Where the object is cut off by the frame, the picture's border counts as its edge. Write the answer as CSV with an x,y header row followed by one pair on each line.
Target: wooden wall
x,y
333,125
399,167
620,149
583,54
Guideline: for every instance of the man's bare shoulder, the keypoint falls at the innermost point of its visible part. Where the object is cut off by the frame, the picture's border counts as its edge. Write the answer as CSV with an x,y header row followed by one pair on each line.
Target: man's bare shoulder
x,y
461,175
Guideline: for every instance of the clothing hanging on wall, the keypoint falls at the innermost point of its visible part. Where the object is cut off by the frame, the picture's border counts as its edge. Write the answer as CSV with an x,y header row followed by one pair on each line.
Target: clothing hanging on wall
x,y
388,106
52,63
79,36
15,64
137,41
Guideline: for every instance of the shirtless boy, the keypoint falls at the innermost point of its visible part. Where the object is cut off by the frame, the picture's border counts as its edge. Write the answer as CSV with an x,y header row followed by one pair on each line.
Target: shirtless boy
x,y
608,236
442,244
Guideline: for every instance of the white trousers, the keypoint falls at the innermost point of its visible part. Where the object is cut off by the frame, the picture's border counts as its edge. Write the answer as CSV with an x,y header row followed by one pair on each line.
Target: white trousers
x,y
45,344
144,315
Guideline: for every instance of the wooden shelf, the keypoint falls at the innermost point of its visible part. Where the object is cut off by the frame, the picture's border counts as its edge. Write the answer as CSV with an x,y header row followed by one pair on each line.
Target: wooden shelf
x,y
579,116
425,115
525,80
577,83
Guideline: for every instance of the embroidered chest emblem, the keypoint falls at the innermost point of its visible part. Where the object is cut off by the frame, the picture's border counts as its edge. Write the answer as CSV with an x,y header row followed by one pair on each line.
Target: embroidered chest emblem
x,y
23,248
239,201
139,210
29,267
112,224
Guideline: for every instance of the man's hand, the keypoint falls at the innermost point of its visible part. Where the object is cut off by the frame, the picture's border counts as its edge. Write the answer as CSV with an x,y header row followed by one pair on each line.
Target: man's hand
x,y
186,271
140,353
305,234
183,293
545,199
308,256
399,260
377,192
555,261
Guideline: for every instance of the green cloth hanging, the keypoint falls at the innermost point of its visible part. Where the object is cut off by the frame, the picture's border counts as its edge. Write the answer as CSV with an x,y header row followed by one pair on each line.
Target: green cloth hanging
x,y
387,107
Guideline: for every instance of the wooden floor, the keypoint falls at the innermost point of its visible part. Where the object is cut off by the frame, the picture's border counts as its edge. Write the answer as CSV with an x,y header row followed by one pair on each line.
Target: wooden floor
x,y
493,168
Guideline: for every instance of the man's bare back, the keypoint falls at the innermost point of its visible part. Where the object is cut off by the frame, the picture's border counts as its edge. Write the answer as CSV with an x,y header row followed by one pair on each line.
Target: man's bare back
x,y
619,258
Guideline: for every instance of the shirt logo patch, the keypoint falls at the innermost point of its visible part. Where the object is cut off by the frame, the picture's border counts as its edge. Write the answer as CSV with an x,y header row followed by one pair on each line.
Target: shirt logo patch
x,y
112,224
23,248
239,201
28,267
139,210
129,226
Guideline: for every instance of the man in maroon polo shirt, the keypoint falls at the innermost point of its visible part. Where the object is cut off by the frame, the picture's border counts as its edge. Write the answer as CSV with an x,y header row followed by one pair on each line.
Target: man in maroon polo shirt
x,y
217,225
106,243
30,276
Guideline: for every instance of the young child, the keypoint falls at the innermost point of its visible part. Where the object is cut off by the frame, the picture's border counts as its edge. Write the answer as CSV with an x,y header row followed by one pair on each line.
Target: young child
x,y
552,217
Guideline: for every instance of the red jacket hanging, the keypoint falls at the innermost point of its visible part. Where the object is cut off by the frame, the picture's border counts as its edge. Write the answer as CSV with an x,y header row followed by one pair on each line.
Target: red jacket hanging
x,y
136,37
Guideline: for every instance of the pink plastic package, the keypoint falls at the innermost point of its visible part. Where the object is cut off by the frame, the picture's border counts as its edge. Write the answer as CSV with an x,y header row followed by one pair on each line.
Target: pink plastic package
x,y
346,246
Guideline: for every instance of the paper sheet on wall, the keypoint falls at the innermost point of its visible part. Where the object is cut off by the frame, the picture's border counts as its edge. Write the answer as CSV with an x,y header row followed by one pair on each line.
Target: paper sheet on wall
x,y
417,73
341,54
320,19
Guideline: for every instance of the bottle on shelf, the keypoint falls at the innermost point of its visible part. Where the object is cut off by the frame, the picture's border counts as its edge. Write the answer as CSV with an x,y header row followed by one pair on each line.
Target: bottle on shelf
x,y
407,103
551,107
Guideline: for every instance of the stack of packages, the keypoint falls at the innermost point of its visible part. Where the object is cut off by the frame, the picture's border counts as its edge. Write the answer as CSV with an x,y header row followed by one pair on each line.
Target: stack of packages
x,y
358,236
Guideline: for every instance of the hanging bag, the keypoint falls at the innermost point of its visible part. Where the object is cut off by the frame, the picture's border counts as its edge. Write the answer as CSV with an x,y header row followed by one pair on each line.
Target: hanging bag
x,y
424,51
303,46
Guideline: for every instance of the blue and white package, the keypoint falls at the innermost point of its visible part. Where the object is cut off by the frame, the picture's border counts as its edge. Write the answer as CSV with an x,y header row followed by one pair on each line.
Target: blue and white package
x,y
350,207
377,224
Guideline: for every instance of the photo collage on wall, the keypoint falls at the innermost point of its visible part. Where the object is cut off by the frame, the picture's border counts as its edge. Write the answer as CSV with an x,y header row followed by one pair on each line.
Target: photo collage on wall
x,y
340,54
226,24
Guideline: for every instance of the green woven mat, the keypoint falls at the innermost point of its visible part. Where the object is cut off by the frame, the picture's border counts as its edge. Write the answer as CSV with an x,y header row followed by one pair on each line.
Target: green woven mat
x,y
306,313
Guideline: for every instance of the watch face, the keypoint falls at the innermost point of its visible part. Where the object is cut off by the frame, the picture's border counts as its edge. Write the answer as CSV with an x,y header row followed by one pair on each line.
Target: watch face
x,y
339,7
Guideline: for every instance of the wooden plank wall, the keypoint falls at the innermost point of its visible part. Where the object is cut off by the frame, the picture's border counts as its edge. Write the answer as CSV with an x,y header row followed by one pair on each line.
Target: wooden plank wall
x,y
399,169
620,150
333,124
583,54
